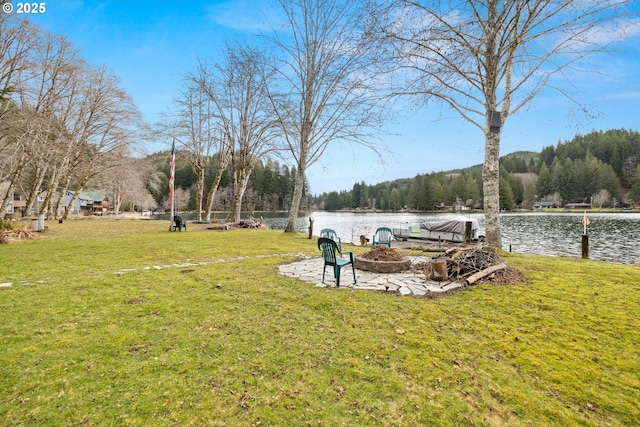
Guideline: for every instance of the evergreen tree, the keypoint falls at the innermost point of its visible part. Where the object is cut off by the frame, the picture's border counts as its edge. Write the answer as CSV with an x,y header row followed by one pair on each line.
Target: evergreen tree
x,y
635,186
546,156
544,186
459,188
506,195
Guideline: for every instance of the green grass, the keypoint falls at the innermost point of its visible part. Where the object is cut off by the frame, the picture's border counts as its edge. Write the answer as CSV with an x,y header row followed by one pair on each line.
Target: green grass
x,y
92,334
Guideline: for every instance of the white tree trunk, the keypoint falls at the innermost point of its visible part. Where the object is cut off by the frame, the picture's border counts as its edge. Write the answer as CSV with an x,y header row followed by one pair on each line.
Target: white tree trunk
x,y
297,197
241,179
491,189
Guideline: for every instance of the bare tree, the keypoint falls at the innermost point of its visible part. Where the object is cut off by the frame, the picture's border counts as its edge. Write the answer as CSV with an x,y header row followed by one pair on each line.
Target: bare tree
x,y
602,197
49,92
193,125
17,39
68,122
42,89
124,183
487,59
327,94
101,130
238,90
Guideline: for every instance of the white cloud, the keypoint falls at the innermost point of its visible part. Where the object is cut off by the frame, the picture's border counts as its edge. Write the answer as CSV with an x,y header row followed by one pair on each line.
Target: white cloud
x,y
244,15
631,94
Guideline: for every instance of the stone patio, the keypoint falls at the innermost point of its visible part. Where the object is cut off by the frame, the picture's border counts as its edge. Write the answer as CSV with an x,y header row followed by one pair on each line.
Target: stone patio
x,y
411,282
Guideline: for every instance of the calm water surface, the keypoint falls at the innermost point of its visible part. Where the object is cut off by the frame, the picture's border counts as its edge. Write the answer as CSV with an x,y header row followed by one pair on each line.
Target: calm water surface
x,y
612,236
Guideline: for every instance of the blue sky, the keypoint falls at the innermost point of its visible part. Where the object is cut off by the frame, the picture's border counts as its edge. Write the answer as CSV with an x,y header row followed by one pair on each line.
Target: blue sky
x,y
150,44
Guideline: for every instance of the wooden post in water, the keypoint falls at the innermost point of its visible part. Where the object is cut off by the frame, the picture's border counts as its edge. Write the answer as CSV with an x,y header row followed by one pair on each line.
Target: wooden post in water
x,y
310,227
467,232
585,246
585,236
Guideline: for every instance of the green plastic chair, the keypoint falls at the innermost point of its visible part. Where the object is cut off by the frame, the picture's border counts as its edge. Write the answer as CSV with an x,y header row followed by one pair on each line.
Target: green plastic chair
x,y
382,236
331,234
179,223
329,248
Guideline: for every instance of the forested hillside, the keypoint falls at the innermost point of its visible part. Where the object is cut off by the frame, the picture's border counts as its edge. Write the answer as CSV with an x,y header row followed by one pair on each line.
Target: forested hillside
x,y
599,168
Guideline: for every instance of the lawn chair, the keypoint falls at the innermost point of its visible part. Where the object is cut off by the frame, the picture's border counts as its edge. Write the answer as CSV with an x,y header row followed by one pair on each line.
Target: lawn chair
x,y
179,223
382,236
331,234
329,247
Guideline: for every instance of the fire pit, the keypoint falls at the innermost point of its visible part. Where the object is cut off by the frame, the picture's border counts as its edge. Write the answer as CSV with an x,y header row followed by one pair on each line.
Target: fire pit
x,y
381,259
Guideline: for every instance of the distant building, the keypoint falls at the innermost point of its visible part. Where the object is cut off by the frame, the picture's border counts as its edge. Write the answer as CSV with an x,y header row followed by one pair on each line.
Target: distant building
x,y
577,206
88,202
547,205
620,204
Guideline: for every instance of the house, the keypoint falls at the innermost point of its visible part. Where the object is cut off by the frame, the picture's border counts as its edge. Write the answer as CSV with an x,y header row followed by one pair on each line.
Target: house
x,y
88,202
547,205
577,206
620,204
16,204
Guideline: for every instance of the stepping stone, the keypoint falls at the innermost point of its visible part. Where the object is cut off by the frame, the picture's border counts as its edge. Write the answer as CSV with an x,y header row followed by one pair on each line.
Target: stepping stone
x,y
404,291
452,286
418,290
397,282
6,285
369,287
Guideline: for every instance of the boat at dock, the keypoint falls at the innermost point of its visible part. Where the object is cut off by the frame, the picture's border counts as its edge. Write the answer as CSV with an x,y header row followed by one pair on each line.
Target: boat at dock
x,y
452,230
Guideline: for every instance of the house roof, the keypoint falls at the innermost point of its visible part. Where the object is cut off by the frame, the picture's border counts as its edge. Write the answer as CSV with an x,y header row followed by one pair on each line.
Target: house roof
x,y
94,195
548,204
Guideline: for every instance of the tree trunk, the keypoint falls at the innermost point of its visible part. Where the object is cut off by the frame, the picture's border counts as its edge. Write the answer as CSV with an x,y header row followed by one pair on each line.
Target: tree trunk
x,y
76,194
297,197
491,189
200,190
224,157
240,181
12,185
212,193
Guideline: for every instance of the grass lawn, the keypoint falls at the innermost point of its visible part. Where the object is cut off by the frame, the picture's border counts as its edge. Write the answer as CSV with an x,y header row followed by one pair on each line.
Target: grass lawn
x,y
99,327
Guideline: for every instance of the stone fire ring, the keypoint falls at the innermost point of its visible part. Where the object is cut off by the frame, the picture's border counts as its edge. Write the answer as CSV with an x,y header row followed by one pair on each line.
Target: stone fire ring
x,y
381,266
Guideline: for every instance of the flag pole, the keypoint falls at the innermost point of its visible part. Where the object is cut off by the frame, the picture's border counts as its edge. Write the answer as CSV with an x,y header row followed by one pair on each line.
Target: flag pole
x,y
172,178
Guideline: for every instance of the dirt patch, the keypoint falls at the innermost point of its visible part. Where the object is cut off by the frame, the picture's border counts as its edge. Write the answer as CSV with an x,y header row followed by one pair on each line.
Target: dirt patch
x,y
383,253
508,276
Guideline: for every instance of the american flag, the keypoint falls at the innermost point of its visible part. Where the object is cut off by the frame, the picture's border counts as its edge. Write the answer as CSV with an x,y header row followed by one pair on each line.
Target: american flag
x,y
172,173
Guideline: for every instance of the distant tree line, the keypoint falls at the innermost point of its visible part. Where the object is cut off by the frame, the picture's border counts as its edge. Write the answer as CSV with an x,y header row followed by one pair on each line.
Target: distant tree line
x,y
597,168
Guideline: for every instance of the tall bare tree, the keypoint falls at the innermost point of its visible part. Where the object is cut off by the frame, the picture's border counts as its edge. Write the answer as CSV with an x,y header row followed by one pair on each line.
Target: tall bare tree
x,y
193,124
50,94
17,40
101,130
488,59
68,122
327,94
237,88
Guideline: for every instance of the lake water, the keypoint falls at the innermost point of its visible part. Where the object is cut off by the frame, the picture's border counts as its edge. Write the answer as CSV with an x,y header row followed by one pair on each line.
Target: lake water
x,y
612,236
